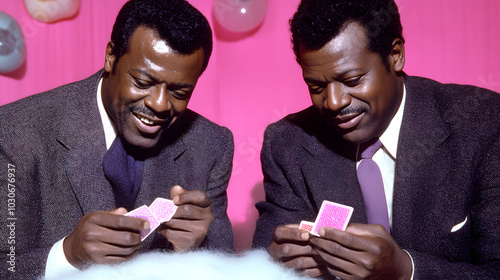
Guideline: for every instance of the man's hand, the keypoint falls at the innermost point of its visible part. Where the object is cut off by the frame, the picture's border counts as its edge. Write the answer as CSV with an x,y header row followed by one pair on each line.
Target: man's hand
x,y
189,226
292,248
362,252
104,237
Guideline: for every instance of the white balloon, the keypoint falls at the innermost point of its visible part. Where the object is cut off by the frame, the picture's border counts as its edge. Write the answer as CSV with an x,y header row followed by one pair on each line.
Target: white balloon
x,y
51,10
12,47
240,15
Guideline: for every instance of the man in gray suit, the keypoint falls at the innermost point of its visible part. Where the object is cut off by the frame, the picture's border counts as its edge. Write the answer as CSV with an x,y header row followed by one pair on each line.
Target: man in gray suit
x,y
439,160
76,158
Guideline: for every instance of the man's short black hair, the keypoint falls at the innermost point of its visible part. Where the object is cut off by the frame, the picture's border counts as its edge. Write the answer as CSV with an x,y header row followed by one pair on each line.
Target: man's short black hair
x,y
317,22
181,25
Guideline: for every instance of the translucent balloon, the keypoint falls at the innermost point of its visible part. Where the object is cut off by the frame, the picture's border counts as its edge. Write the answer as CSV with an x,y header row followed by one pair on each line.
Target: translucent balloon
x,y
12,48
51,10
240,15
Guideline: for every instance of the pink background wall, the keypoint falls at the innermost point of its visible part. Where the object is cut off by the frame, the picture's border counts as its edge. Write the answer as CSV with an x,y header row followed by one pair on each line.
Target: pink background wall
x,y
254,80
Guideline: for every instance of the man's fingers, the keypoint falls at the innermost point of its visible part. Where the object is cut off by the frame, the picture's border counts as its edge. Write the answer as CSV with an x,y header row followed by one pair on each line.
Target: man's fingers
x,y
98,248
189,235
362,251
289,233
357,238
301,262
288,250
107,219
366,229
314,272
118,211
344,246
180,196
117,238
198,198
103,233
192,212
113,254
334,261
186,225
175,192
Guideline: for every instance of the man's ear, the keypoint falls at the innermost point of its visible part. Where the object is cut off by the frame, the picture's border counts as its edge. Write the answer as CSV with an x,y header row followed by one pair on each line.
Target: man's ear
x,y
110,58
397,56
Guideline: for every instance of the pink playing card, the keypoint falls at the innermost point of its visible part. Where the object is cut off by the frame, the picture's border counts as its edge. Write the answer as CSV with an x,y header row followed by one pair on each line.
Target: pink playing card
x,y
163,209
143,212
332,215
306,225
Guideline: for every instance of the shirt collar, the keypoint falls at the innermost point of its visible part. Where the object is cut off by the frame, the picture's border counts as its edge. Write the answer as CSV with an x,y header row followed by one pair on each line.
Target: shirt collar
x,y
109,129
390,136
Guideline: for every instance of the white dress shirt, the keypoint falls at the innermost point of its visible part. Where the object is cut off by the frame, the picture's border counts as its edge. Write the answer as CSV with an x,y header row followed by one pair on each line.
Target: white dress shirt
x,y
385,157
57,264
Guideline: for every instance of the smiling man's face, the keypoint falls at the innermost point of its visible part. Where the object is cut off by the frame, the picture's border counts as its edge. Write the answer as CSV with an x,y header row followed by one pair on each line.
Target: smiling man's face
x,y
350,85
150,87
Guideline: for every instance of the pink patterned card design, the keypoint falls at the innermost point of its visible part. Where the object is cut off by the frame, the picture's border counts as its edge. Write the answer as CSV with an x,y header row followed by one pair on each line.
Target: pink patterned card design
x,y
332,215
163,209
145,213
306,225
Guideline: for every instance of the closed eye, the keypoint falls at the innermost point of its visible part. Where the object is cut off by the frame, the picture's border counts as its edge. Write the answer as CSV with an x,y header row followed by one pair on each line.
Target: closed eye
x,y
141,84
142,79
180,94
315,86
353,81
181,91
315,89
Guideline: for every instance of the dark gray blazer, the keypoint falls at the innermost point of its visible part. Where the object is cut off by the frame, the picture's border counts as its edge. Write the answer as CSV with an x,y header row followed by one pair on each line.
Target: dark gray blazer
x,y
447,170
56,142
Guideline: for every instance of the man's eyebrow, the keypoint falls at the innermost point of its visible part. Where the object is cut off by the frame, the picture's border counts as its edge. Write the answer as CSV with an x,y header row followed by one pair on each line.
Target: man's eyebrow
x,y
339,75
151,77
182,85
154,79
342,74
312,80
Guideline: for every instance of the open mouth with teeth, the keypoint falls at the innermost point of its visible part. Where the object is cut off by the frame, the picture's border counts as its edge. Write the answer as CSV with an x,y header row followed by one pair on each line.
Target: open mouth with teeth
x,y
147,125
146,121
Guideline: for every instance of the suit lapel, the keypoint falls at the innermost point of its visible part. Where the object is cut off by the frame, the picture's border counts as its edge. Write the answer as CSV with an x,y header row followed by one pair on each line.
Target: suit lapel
x,y
159,174
86,175
418,166
330,173
81,137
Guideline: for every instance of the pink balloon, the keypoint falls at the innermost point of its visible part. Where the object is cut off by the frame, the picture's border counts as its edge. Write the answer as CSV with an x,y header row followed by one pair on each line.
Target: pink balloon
x,y
51,10
240,15
12,46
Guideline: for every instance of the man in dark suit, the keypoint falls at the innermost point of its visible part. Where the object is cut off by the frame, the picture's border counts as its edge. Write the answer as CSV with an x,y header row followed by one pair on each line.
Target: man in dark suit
x,y
439,160
116,140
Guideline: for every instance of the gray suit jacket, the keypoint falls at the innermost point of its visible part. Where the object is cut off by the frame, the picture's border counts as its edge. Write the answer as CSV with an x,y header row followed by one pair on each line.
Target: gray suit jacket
x,y
54,144
447,170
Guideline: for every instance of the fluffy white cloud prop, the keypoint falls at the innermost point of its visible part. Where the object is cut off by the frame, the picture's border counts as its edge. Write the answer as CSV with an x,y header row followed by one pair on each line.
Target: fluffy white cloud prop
x,y
251,265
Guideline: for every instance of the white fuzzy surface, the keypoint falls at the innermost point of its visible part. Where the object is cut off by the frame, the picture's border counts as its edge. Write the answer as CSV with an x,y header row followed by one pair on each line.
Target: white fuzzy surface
x,y
254,265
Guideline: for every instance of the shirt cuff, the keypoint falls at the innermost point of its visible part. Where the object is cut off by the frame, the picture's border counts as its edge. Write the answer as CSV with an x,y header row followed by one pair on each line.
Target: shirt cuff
x,y
57,264
412,264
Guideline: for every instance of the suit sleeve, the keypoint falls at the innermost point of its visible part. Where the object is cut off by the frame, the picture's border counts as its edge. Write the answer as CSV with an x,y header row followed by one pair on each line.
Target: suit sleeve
x,y
286,201
220,233
485,241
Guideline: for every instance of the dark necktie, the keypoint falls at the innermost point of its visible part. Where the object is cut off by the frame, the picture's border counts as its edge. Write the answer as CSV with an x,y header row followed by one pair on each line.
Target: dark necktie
x,y
124,173
372,186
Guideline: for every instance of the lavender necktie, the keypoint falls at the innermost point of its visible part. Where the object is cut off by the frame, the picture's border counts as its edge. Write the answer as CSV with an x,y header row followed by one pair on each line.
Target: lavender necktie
x,y
372,187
